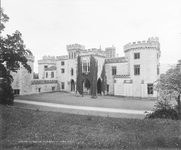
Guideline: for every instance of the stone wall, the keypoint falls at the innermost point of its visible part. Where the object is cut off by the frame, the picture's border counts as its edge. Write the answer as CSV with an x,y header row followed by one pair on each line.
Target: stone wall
x,y
149,61
121,68
42,88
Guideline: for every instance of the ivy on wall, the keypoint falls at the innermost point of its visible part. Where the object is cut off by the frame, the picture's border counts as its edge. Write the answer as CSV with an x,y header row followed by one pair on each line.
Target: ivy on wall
x,y
104,79
79,84
91,76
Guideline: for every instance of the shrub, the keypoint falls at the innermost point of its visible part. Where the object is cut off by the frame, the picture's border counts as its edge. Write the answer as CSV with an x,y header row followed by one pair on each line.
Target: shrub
x,y
163,109
164,114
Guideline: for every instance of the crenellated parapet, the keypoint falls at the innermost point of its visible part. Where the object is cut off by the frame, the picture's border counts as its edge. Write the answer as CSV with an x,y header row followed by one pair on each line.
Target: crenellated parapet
x,y
75,47
151,43
30,58
97,51
110,52
63,57
37,81
116,60
110,48
93,51
47,59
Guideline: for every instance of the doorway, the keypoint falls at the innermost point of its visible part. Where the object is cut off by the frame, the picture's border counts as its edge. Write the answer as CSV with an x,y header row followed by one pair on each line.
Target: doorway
x,y
72,85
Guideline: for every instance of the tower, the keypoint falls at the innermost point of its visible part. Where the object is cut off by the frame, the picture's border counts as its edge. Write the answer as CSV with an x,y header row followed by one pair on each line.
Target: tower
x,y
22,79
143,65
74,49
46,62
110,52
73,52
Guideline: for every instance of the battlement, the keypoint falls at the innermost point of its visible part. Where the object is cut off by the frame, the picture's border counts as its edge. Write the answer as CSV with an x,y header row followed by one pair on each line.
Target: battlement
x,y
47,59
93,51
154,39
152,42
63,57
75,47
110,48
30,58
38,81
116,60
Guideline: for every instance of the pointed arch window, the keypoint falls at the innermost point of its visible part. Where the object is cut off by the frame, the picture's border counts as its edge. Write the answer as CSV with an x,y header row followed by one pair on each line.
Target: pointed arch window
x,y
72,71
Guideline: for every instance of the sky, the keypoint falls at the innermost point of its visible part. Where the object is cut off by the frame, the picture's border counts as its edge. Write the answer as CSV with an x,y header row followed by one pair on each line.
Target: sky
x,y
47,26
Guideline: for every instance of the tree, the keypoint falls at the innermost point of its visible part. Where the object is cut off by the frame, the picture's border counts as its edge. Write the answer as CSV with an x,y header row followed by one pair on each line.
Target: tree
x,y
93,74
170,83
79,87
3,19
104,82
12,55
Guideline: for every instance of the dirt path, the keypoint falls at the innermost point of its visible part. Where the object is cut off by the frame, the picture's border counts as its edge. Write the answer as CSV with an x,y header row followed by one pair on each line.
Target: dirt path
x,y
84,110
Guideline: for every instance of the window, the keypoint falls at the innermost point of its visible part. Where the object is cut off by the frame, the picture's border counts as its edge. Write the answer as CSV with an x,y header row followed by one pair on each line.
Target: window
x,y
45,67
53,88
72,71
107,87
136,69
52,74
150,89
62,70
46,74
16,91
86,66
39,89
113,70
136,55
63,85
158,70
73,54
62,63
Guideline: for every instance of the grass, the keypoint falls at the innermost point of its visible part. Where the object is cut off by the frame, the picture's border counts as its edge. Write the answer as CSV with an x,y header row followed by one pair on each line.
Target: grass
x,y
101,101
36,130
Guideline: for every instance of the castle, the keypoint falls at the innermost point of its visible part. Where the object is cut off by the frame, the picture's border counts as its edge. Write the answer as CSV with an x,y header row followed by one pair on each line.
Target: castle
x,y
133,75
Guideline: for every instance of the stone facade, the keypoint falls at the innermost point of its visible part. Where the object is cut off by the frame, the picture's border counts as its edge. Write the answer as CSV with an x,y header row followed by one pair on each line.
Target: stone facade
x,y
133,75
22,79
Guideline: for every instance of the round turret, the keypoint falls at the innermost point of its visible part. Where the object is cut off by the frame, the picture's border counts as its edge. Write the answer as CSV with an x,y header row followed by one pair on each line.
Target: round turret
x,y
143,63
152,43
22,79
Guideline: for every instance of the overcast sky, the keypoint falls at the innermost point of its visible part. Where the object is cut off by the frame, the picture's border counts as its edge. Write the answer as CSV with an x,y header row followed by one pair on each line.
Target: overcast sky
x,y
48,26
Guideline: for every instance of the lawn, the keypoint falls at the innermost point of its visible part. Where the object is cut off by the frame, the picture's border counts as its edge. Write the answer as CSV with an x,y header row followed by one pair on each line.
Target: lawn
x,y
101,101
40,130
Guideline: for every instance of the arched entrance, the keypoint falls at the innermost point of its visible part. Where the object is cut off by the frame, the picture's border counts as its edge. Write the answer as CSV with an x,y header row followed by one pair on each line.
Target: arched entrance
x,y
86,86
99,86
72,85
